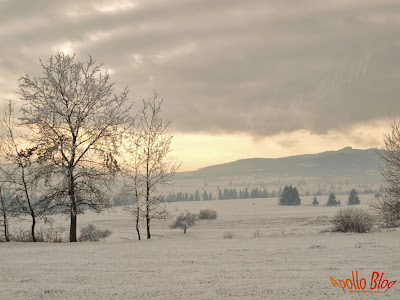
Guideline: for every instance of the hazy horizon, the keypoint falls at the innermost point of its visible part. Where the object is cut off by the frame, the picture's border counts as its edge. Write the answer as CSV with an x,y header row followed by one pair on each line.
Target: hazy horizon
x,y
277,157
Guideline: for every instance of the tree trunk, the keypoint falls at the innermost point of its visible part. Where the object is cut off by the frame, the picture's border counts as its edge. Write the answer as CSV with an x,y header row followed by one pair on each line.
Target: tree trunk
x,y
184,230
72,228
148,223
33,228
148,195
137,222
28,199
3,208
5,225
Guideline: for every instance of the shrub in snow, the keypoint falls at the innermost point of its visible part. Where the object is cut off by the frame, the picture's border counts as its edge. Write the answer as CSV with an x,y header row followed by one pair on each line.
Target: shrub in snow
x,y
228,235
207,214
353,220
92,234
184,221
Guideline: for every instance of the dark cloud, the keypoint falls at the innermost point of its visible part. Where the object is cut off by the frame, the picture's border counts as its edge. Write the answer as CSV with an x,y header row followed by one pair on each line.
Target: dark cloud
x,y
256,67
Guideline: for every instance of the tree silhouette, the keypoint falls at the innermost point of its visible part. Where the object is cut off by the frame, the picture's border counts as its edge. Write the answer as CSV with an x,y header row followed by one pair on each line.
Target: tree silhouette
x,y
76,121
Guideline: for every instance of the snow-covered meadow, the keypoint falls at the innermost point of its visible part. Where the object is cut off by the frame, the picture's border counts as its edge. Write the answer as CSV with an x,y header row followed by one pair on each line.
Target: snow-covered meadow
x,y
276,252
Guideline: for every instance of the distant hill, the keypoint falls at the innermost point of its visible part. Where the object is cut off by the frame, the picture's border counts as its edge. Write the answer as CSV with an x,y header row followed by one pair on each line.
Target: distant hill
x,y
359,164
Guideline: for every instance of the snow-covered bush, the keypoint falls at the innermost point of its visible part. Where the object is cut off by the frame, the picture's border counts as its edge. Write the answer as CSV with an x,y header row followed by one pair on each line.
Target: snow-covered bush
x,y
92,234
353,220
207,214
228,235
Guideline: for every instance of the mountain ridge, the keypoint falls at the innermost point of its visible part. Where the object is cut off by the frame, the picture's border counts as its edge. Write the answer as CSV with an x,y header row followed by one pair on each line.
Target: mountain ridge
x,y
344,162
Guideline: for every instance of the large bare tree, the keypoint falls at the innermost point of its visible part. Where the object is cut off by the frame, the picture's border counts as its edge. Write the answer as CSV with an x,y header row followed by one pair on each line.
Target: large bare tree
x,y
76,123
150,167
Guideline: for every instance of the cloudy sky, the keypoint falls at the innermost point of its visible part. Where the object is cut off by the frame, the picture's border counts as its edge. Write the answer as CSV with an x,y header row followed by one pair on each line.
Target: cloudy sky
x,y
257,78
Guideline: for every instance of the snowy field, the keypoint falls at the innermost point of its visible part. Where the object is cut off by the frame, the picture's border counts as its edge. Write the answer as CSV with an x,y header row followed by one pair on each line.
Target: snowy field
x,y
276,253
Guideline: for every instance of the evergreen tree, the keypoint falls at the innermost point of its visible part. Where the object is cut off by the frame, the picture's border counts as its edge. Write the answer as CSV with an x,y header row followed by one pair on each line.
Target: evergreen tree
x,y
205,196
197,196
280,192
290,196
255,193
179,197
332,200
315,201
295,200
246,194
210,197
220,196
353,198
234,194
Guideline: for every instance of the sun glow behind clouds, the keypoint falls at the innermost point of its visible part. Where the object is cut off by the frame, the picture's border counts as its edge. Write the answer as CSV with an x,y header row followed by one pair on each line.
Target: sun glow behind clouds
x,y
66,48
115,6
201,150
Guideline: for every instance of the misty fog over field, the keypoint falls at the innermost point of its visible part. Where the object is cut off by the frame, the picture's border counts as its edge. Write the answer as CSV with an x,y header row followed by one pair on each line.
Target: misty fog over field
x,y
199,149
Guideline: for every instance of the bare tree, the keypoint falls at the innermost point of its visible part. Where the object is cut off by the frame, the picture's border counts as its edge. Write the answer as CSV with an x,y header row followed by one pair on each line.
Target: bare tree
x,y
151,169
76,123
5,208
184,221
389,204
390,156
133,178
388,208
20,175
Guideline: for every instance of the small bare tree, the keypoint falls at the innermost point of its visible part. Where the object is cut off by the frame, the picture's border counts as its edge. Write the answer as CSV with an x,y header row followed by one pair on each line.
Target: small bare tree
x,y
76,123
151,168
133,178
184,221
5,210
19,174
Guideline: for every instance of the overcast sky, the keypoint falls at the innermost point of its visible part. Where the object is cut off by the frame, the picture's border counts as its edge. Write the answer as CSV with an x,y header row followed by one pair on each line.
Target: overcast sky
x,y
240,78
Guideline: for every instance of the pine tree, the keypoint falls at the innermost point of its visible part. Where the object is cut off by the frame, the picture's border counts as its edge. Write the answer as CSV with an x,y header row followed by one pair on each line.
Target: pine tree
x,y
332,200
353,198
315,201
290,196
246,194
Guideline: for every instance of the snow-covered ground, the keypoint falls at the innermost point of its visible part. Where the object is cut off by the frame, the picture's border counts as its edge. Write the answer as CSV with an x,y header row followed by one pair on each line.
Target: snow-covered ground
x,y
276,253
